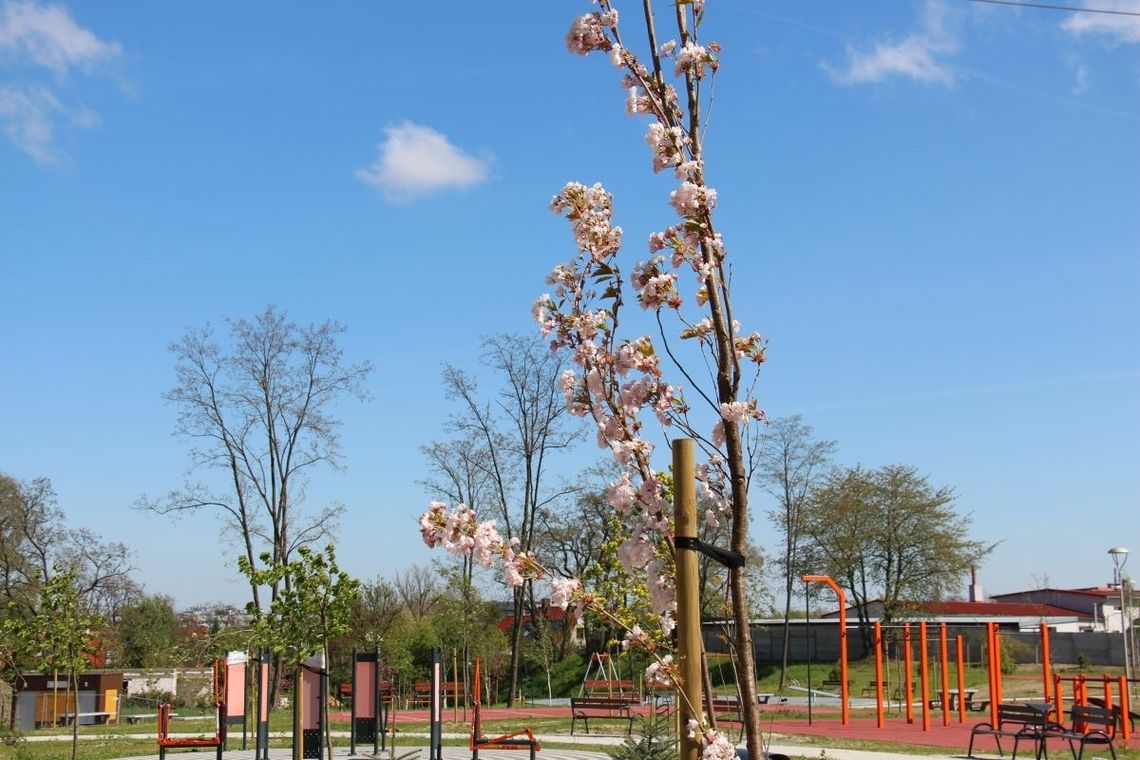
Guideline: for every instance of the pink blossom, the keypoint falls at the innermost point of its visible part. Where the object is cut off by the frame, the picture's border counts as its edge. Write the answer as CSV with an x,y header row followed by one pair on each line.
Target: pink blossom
x,y
691,199
666,49
586,34
691,60
635,552
620,494
667,144
561,589
740,411
662,673
717,746
617,55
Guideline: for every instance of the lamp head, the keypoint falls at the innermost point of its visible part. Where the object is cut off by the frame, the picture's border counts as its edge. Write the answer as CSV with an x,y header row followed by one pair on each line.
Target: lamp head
x,y
1119,556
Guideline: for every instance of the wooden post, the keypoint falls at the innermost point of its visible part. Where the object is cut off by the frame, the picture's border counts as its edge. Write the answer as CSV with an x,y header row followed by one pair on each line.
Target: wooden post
x,y
298,714
688,594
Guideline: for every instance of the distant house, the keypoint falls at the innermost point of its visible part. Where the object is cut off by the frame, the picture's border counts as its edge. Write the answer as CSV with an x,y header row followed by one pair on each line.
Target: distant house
x,y
1010,615
1099,606
557,618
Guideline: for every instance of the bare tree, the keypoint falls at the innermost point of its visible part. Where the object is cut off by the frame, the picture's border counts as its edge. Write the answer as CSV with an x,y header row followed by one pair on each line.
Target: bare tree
x,y
35,539
38,550
259,413
418,590
792,463
516,434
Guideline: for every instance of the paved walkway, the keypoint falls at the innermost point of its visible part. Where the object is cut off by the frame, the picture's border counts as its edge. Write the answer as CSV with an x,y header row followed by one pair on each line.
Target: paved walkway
x,y
462,753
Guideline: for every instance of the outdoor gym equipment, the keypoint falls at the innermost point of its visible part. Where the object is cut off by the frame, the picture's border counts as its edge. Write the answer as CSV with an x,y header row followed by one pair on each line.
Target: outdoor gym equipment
x,y
1119,704
310,692
516,740
218,740
371,702
843,685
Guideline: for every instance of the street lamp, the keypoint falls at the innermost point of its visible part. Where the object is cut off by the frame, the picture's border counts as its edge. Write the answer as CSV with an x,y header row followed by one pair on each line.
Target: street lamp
x,y
1119,557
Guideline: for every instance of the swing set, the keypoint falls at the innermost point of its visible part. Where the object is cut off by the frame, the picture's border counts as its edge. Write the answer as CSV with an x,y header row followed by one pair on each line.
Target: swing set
x,y
605,680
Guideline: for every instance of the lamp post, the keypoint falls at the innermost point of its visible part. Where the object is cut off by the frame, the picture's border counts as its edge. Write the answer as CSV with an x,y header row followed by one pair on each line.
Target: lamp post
x,y
1119,557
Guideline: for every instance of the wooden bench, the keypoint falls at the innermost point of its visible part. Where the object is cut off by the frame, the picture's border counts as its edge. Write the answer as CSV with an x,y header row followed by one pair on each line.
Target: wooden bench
x,y
96,717
455,691
137,717
610,708
1090,725
1023,722
835,683
421,694
873,688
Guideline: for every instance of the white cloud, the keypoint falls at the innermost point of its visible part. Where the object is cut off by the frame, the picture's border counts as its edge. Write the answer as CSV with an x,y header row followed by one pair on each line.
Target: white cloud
x,y
1080,74
1117,28
34,37
415,160
47,36
915,57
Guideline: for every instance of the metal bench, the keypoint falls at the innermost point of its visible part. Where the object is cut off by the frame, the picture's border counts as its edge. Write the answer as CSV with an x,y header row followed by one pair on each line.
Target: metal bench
x,y
1090,725
1023,722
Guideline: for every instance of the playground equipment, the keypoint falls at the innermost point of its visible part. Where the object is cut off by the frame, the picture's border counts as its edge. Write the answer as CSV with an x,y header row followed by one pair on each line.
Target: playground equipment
x,y
523,738
606,680
218,740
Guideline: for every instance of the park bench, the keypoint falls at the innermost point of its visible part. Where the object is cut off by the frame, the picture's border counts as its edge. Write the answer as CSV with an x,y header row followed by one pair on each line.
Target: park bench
x,y
872,688
139,717
1013,720
1132,715
96,717
1090,725
454,692
421,694
834,683
610,708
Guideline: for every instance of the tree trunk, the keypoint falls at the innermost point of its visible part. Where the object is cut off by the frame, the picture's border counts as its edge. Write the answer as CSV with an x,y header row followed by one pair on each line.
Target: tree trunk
x,y
516,640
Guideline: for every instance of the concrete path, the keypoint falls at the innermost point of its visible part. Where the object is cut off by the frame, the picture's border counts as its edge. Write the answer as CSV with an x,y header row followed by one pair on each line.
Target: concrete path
x,y
462,753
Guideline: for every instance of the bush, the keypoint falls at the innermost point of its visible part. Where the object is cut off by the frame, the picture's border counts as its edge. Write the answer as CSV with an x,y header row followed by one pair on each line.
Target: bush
x,y
654,741
1083,662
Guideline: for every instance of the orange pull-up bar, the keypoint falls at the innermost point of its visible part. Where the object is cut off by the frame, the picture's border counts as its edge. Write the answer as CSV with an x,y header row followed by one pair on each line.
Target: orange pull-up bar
x,y
843,688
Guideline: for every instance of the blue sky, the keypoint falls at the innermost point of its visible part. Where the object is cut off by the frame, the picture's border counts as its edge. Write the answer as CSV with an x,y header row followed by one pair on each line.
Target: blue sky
x,y
932,209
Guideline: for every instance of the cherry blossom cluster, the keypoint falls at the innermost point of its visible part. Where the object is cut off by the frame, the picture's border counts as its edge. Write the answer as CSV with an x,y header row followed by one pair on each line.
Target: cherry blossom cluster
x,y
716,745
460,532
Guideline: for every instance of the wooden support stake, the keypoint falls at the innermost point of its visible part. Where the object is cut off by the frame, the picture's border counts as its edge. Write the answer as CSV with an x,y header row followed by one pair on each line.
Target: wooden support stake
x,y
688,593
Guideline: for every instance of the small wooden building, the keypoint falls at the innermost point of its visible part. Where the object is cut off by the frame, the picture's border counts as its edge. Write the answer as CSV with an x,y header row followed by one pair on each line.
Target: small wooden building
x,y
44,699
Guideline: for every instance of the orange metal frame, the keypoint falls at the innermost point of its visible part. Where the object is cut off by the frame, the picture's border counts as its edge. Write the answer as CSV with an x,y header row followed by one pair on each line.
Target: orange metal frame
x,y
166,741
506,741
843,687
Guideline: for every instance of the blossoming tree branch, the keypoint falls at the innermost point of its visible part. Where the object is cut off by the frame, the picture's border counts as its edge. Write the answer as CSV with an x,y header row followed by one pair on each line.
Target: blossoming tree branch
x,y
618,381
